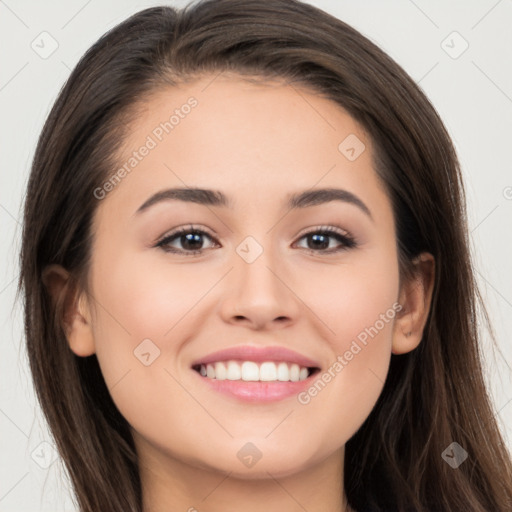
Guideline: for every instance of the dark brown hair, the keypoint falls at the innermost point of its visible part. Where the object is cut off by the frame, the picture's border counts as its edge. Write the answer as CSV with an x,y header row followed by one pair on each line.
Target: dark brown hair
x,y
433,395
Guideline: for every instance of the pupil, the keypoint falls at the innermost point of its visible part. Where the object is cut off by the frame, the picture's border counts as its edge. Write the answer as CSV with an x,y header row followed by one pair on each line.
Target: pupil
x,y
191,238
324,244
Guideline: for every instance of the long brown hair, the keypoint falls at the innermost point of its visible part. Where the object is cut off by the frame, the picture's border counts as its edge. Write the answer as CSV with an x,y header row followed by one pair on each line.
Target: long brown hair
x,y
433,396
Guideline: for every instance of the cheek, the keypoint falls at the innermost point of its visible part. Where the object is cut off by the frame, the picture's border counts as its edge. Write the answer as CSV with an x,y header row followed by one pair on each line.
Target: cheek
x,y
138,312
349,299
358,307
142,300
138,333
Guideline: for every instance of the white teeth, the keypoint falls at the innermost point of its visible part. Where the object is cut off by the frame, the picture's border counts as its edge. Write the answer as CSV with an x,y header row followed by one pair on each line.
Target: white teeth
x,y
294,372
251,371
221,372
268,371
234,371
210,372
283,374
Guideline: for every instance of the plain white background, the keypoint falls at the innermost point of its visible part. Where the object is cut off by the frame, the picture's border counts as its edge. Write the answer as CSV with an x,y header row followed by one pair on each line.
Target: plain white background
x,y
470,87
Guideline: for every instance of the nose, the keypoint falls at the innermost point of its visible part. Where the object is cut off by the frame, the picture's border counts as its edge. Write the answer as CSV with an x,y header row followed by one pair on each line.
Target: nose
x,y
259,294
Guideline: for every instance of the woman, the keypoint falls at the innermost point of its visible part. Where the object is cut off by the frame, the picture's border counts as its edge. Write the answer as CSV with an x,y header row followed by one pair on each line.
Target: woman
x,y
320,352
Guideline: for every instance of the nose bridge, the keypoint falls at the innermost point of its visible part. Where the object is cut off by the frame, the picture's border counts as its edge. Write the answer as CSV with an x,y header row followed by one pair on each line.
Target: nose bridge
x,y
257,265
257,289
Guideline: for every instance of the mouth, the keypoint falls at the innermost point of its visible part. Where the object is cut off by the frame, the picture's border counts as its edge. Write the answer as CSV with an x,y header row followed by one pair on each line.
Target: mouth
x,y
253,371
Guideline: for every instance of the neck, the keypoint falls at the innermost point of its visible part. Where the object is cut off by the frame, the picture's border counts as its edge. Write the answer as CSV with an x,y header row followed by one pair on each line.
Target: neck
x,y
170,485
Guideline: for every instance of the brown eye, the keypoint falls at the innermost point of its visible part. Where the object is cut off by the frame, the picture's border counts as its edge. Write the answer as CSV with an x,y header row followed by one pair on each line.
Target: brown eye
x,y
191,241
320,240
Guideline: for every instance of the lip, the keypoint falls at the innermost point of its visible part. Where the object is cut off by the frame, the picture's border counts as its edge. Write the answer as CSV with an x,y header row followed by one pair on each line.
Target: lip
x,y
258,391
258,355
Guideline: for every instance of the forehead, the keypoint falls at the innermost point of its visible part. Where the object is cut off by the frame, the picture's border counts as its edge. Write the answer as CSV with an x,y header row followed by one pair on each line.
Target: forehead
x,y
256,141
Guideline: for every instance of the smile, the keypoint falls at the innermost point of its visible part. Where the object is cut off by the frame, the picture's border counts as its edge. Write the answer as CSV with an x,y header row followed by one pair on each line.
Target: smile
x,y
251,371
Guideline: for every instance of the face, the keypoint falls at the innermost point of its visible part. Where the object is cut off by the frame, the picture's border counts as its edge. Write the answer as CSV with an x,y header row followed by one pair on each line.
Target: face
x,y
257,272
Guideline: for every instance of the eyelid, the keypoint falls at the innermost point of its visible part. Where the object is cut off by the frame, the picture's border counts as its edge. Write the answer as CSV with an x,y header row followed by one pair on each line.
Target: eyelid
x,y
186,228
348,240
329,228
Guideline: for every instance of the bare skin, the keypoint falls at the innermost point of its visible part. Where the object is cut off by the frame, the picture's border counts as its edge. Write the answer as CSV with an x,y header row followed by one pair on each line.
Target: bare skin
x,y
256,143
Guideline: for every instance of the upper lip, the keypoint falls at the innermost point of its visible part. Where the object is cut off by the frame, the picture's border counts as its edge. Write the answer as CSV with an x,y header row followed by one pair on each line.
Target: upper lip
x,y
257,354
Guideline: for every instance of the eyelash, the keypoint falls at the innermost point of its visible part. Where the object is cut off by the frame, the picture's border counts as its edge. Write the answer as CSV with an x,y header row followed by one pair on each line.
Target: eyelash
x,y
347,240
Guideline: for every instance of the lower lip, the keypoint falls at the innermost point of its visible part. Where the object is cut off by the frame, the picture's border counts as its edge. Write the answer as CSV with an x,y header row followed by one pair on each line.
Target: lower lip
x,y
257,391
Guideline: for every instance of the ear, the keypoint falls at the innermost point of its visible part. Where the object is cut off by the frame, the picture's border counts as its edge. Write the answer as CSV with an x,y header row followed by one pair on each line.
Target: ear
x,y
415,298
73,308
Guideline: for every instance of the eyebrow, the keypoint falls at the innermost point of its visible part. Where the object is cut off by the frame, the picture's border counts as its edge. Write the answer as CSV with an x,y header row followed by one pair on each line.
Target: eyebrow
x,y
312,197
